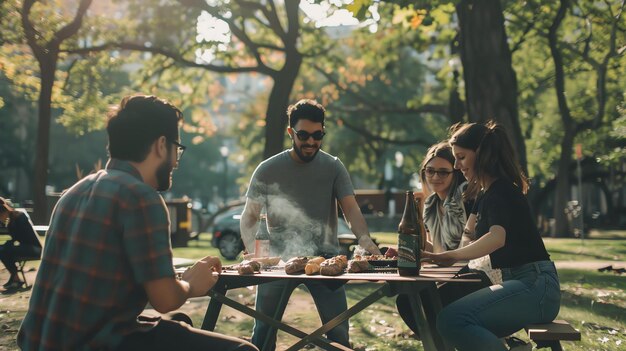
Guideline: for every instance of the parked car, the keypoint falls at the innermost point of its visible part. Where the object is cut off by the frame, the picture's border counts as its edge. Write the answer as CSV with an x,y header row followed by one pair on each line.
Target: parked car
x,y
227,237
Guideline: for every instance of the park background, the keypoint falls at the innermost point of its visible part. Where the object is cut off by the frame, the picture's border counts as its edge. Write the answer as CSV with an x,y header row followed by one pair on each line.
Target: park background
x,y
393,75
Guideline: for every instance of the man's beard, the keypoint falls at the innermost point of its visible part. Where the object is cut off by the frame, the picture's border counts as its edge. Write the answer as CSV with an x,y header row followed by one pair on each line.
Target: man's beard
x,y
301,156
164,175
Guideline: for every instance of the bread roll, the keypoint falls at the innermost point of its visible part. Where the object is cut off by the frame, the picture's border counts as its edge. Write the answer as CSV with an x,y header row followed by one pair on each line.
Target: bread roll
x,y
311,268
342,260
317,260
331,267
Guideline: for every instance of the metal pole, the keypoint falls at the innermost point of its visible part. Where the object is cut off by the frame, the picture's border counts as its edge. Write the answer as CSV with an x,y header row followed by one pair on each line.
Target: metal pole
x,y
225,187
580,200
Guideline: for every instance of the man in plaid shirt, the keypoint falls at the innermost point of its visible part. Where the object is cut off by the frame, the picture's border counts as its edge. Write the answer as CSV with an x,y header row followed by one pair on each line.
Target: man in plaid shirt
x,y
108,253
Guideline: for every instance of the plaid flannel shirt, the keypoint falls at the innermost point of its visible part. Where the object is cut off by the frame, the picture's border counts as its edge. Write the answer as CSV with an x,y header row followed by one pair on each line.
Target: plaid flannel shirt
x,y
109,234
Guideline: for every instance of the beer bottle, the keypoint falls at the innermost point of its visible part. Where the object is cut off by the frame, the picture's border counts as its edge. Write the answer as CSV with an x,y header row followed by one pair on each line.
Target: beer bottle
x,y
262,239
421,226
409,239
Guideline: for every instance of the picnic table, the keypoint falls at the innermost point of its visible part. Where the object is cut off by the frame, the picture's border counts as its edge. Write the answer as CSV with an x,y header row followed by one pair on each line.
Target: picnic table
x,y
421,290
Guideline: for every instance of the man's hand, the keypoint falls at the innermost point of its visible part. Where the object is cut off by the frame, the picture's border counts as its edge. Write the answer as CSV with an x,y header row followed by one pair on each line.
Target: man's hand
x,y
203,275
445,259
367,243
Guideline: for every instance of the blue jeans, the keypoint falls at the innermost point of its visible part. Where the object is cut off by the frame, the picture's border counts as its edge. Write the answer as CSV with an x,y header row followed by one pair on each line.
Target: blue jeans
x,y
329,303
529,294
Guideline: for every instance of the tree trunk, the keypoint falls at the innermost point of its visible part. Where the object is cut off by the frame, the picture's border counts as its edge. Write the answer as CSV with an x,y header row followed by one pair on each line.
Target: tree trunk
x,y
490,81
563,185
276,115
569,125
47,66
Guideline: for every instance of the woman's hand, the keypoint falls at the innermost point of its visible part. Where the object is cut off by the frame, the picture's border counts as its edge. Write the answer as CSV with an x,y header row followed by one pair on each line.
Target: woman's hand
x,y
445,259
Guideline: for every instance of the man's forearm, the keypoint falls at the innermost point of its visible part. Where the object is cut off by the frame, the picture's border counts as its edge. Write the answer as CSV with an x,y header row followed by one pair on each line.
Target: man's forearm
x,y
248,229
167,294
359,228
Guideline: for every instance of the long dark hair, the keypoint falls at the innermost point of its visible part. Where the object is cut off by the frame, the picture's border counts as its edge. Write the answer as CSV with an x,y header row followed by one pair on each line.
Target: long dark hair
x,y
5,207
443,150
495,156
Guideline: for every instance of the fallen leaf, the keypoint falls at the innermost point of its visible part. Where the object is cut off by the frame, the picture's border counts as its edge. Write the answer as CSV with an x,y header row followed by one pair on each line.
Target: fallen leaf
x,y
603,340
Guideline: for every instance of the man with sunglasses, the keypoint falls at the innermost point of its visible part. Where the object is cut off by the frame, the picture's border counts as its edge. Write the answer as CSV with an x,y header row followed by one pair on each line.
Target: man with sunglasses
x,y
299,189
108,252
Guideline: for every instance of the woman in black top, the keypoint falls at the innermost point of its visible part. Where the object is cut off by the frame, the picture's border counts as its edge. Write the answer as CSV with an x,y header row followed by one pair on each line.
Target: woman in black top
x,y
21,231
505,230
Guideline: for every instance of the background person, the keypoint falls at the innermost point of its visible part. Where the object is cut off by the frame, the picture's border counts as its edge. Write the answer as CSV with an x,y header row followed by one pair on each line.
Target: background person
x,y
108,250
21,231
506,231
299,188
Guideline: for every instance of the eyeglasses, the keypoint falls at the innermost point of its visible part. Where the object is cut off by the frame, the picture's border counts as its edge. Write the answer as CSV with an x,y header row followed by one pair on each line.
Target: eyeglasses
x,y
180,149
304,135
430,172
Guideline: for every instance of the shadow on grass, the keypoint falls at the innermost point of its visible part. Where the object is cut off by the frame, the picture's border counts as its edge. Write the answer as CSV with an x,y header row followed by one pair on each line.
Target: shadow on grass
x,y
592,279
589,305
582,256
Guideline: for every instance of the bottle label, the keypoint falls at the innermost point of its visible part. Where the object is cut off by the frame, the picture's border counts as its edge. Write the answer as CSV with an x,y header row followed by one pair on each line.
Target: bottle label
x,y
262,248
408,251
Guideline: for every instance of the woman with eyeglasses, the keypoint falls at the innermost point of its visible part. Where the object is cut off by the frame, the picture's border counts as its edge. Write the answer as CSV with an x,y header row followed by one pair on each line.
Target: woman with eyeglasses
x,y
506,231
445,212
445,217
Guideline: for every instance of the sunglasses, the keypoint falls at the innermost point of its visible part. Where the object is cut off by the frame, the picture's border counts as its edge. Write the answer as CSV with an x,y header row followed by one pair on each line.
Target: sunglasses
x,y
180,149
304,135
430,172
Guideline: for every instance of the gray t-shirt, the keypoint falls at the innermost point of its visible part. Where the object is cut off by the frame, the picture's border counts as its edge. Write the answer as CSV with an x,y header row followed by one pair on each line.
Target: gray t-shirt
x,y
301,202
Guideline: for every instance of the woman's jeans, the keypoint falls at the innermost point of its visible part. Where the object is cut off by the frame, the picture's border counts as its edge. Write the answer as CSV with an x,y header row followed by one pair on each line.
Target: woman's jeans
x,y
529,294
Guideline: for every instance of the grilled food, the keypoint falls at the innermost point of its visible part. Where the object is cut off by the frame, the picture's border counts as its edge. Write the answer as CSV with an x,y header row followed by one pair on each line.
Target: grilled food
x,y
358,266
296,265
331,267
266,261
248,267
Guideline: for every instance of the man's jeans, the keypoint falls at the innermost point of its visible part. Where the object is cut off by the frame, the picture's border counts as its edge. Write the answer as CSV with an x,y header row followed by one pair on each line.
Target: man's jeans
x,y
529,294
329,303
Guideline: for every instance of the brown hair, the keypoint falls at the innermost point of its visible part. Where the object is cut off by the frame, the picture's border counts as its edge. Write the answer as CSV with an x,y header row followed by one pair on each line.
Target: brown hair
x,y
495,156
443,150
137,122
4,206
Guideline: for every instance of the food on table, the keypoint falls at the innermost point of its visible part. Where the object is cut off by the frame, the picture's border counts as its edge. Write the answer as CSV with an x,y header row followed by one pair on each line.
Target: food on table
x,y
312,268
334,266
266,261
313,265
248,267
391,253
358,266
373,258
317,260
343,260
330,268
296,265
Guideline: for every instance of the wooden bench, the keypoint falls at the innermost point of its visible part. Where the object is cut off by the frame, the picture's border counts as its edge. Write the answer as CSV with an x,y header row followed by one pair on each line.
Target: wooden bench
x,y
551,334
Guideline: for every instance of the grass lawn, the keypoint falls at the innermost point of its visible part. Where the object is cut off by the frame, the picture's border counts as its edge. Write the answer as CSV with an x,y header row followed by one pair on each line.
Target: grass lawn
x,y
593,302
